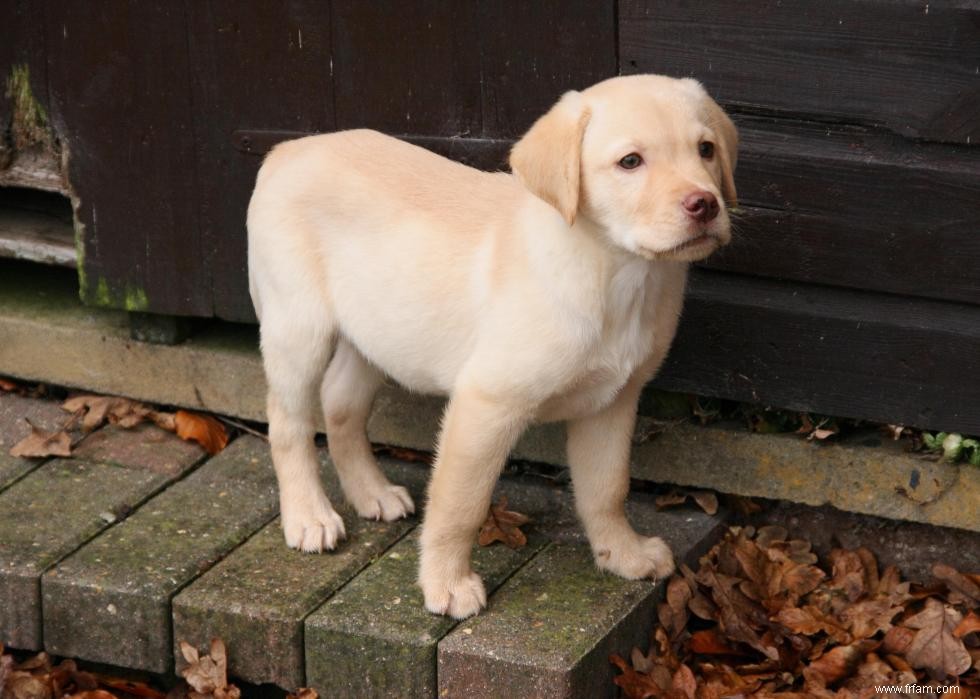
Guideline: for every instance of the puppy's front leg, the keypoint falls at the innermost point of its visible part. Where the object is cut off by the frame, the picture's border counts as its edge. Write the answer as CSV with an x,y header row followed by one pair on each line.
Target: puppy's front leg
x,y
599,456
477,435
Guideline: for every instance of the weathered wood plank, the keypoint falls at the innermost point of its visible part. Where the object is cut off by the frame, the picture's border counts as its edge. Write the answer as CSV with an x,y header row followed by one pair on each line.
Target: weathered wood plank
x,y
256,66
833,351
856,208
118,76
407,67
532,52
909,66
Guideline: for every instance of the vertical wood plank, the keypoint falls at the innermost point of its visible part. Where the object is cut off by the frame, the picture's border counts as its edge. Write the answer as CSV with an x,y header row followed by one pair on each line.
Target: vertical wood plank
x,y
120,98
256,66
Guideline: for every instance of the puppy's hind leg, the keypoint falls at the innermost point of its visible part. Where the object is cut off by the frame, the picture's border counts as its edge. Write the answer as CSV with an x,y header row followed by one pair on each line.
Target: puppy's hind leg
x,y
295,351
347,394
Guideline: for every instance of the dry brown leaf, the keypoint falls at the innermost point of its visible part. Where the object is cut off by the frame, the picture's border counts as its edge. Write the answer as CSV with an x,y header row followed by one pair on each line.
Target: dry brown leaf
x,y
41,443
23,685
6,385
957,582
92,694
706,501
635,685
866,618
405,454
810,620
304,693
841,661
203,429
673,613
970,624
710,642
897,640
96,410
208,675
670,499
737,612
683,682
934,647
503,526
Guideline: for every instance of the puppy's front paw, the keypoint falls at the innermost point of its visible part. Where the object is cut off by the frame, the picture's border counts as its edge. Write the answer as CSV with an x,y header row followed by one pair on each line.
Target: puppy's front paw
x,y
383,503
459,598
311,525
635,557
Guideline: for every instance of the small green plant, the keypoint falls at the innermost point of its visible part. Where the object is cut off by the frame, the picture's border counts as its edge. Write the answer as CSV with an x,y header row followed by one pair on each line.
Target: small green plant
x,y
953,446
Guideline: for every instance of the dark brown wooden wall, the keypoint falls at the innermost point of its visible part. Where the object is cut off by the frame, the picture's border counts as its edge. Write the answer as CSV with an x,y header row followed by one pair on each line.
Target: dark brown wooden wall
x,y
853,285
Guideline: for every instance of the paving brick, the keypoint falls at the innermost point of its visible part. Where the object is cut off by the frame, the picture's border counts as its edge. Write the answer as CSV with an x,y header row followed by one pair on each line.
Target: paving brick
x,y
146,446
549,629
55,509
110,601
45,414
375,639
257,598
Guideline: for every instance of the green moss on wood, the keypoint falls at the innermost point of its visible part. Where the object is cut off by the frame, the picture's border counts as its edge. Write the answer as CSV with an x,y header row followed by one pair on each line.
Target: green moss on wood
x,y
29,126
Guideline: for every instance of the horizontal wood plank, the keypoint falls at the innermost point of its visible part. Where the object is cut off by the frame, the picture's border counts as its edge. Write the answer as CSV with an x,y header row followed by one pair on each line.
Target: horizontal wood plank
x,y
912,67
856,208
832,351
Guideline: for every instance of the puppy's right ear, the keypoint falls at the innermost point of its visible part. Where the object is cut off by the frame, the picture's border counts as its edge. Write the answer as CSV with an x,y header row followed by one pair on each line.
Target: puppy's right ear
x,y
548,159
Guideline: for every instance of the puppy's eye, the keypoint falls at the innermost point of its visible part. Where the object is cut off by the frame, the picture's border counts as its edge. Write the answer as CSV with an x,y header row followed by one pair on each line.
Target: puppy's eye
x,y
706,149
631,161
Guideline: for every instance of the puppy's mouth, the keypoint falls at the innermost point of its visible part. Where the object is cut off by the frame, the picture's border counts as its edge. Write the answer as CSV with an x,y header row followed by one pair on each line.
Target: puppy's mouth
x,y
690,250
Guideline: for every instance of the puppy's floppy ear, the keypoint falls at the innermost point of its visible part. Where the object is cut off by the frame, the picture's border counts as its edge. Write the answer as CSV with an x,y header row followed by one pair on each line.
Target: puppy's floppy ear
x,y
548,159
728,148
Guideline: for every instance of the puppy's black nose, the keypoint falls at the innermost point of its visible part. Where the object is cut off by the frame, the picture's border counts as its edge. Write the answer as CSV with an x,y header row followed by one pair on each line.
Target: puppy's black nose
x,y
701,206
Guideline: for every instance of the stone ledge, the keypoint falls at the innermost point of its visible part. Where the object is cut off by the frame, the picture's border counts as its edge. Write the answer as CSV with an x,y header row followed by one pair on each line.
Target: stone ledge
x,y
220,370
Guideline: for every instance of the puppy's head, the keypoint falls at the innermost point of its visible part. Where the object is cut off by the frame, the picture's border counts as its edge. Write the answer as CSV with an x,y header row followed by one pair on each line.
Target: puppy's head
x,y
647,158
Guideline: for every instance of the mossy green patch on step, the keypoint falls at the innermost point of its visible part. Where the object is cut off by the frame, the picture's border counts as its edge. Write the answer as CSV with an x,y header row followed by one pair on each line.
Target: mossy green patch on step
x,y
110,601
549,631
375,638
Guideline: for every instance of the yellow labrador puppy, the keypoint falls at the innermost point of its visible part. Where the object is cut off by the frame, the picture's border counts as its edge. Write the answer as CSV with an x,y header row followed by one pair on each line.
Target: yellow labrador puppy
x,y
550,294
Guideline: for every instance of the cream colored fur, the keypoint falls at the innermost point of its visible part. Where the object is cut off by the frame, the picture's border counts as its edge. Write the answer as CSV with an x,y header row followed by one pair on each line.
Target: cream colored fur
x,y
550,294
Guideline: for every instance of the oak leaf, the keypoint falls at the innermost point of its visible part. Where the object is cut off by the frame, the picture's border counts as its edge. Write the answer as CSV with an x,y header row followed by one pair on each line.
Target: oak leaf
x,y
208,675
934,647
41,443
635,685
970,624
96,410
503,526
203,429
957,583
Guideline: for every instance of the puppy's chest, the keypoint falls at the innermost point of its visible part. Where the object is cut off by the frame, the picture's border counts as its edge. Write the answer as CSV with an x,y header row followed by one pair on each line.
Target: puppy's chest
x,y
628,338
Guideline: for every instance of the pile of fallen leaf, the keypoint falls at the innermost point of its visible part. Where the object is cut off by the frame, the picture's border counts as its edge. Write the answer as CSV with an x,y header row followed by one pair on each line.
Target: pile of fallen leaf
x,y
205,677
761,617
89,412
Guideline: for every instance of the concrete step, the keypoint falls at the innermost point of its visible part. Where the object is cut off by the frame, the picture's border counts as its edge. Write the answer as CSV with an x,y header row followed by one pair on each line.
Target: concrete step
x,y
122,574
219,369
258,597
63,503
109,601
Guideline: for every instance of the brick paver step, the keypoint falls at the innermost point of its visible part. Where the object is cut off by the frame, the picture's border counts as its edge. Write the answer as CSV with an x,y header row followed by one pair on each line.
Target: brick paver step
x,y
65,502
44,414
110,601
375,638
549,629
257,598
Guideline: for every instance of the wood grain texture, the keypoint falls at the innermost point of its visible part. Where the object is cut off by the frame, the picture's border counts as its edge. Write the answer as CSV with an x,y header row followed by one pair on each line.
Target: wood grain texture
x,y
856,208
258,66
832,351
912,67
118,76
